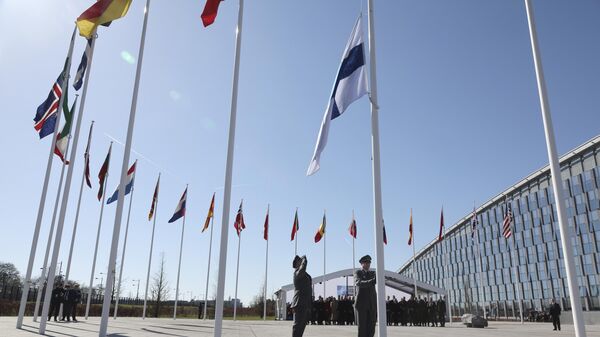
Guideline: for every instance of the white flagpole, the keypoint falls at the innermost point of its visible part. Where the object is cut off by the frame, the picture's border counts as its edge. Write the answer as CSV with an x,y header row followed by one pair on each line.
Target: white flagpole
x,y
40,214
518,278
448,279
81,108
65,198
555,174
150,255
266,270
237,274
228,174
480,263
414,257
93,271
121,200
180,252
80,187
124,245
380,269
324,260
208,268
49,243
353,252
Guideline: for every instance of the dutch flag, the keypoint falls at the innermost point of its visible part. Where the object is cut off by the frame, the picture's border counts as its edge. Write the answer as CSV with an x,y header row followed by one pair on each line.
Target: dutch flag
x,y
130,178
350,84
180,210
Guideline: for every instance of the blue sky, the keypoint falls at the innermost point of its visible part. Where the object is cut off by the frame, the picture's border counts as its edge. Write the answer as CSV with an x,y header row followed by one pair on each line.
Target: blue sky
x,y
460,122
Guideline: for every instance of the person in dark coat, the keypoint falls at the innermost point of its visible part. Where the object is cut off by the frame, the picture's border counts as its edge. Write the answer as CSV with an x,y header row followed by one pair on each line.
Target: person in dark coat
x,y
555,314
302,302
56,299
441,312
73,300
366,298
66,312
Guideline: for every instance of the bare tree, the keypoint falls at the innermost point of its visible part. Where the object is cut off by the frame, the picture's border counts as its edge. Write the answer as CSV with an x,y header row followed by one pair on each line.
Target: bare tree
x,y
160,285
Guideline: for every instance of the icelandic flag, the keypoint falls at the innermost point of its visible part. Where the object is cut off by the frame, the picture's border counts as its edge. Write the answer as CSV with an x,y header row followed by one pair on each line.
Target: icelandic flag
x,y
130,178
350,84
82,65
45,117
180,210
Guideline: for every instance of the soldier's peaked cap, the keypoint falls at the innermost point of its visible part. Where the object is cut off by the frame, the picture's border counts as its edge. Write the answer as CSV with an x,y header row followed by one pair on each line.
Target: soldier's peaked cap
x,y
366,258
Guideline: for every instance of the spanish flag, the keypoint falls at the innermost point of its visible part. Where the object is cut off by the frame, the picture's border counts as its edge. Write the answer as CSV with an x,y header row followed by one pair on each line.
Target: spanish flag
x,y
321,231
102,12
211,213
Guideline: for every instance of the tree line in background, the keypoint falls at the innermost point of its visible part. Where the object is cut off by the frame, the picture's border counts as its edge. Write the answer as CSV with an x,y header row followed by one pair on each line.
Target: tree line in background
x,y
11,285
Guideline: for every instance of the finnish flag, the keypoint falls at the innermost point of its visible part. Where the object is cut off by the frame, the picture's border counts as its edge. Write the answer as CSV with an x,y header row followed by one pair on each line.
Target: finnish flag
x,y
350,85
83,65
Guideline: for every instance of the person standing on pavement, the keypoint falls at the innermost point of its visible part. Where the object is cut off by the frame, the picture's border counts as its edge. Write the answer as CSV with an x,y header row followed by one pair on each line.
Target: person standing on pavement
x,y
366,298
555,314
302,302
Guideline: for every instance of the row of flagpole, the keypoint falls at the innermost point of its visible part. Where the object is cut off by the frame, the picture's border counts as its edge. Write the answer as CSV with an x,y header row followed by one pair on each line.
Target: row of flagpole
x,y
378,219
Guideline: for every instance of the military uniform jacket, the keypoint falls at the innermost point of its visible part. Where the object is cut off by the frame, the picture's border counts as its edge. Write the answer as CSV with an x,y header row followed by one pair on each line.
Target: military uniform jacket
x,y
366,297
302,287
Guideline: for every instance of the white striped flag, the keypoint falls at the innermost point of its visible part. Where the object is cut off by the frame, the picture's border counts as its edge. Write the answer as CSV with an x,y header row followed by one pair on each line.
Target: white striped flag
x,y
350,85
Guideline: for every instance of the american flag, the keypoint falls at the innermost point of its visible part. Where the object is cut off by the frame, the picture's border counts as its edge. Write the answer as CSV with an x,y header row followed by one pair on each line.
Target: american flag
x,y
508,218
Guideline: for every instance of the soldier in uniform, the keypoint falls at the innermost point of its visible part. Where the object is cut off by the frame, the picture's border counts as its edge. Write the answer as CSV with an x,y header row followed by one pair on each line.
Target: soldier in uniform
x,y
441,311
366,298
302,302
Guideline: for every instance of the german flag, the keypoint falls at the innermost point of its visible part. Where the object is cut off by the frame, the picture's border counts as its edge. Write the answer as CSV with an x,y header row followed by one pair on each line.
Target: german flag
x,y
101,13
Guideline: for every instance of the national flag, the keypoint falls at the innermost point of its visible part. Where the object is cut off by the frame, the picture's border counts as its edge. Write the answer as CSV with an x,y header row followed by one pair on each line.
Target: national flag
x,y
103,173
83,65
239,224
442,228
384,234
86,157
211,214
209,14
101,13
295,226
321,231
128,187
62,139
266,232
474,222
410,230
352,228
507,223
154,200
45,117
180,210
350,84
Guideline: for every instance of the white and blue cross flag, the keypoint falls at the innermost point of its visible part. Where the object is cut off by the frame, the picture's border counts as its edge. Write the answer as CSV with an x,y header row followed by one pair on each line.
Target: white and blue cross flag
x,y
350,85
83,65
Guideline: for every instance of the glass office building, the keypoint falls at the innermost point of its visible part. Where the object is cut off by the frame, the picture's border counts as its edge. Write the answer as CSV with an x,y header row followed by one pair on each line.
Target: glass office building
x,y
489,271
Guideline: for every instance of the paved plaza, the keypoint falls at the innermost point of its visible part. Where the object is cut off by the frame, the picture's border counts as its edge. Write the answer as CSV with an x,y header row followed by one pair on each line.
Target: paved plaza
x,y
136,327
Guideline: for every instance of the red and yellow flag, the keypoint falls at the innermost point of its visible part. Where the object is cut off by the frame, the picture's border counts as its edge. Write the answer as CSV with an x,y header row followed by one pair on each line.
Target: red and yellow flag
x,y
102,12
321,232
211,213
154,200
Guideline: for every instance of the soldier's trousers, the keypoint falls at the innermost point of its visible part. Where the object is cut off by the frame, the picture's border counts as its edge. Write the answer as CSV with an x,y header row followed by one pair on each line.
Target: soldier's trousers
x,y
300,320
366,321
556,322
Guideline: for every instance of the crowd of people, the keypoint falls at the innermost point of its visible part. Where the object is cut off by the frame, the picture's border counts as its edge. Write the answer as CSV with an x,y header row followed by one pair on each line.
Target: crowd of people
x,y
340,311
68,296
